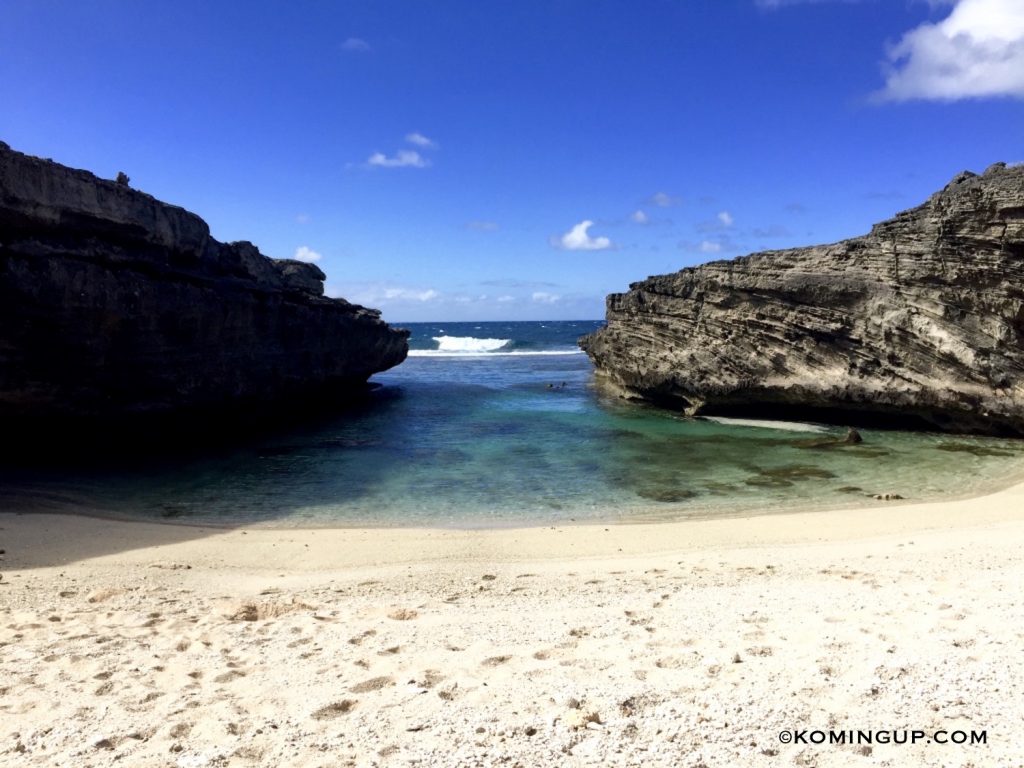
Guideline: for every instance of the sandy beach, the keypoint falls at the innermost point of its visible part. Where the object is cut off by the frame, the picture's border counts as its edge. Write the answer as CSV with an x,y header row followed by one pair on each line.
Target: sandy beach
x,y
682,644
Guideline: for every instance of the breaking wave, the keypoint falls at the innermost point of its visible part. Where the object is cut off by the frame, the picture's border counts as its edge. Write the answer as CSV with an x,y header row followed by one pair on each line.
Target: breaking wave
x,y
468,344
510,353
518,340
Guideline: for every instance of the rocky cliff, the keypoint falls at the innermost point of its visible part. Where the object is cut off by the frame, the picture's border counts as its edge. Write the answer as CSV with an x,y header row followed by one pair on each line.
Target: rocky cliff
x,y
919,323
114,304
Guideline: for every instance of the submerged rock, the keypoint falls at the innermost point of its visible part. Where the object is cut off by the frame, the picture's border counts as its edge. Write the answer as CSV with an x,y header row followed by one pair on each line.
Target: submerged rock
x,y
665,495
974,449
114,304
918,324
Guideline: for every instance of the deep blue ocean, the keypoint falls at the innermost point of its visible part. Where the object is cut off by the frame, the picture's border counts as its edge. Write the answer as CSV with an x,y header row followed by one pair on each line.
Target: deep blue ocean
x,y
501,424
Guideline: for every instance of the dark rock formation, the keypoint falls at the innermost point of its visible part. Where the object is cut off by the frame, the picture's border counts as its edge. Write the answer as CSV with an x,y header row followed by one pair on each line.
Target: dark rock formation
x,y
114,304
919,323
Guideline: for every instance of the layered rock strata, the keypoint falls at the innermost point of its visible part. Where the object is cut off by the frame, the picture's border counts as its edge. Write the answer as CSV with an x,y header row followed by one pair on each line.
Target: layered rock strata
x,y
919,323
114,304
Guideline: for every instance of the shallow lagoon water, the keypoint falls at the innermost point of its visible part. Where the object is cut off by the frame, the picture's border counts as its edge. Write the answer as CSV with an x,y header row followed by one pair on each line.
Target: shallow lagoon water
x,y
500,424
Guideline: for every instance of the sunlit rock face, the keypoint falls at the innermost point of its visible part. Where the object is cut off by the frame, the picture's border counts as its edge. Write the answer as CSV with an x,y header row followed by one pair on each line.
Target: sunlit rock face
x,y
919,323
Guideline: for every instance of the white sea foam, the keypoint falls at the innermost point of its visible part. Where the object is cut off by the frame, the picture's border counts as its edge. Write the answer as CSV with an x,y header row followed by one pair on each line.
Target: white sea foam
x,y
468,344
511,353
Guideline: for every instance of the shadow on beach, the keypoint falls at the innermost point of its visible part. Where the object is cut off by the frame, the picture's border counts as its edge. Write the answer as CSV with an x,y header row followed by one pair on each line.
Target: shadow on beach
x,y
131,473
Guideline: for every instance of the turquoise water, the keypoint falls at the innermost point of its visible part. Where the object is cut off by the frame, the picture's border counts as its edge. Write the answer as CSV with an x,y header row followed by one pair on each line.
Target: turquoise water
x,y
498,424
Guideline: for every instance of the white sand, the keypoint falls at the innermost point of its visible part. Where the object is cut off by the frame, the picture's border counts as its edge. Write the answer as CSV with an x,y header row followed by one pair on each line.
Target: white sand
x,y
687,644
787,426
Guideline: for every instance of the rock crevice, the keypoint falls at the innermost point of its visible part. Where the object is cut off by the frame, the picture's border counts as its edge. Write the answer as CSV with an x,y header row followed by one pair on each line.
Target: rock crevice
x,y
919,323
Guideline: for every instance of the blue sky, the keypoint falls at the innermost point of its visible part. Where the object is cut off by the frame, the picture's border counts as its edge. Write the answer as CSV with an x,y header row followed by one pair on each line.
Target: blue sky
x,y
441,160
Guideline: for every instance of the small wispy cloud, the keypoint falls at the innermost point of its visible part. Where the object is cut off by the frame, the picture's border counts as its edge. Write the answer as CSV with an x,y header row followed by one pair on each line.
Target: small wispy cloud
x,y
723,220
975,52
665,200
639,217
420,140
482,226
509,282
303,218
307,254
411,302
712,245
403,158
356,45
373,294
410,294
774,5
772,230
578,239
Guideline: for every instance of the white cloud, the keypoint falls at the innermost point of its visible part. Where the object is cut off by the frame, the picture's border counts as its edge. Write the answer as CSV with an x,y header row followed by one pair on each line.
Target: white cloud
x,y
403,158
356,45
774,5
577,239
420,140
772,230
665,200
721,243
372,294
305,253
482,226
511,282
506,299
639,217
543,297
723,221
409,294
977,51
303,218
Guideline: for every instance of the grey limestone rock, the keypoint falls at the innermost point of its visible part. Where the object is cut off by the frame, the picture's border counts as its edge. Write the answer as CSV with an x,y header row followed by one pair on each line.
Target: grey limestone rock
x,y
113,303
919,323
